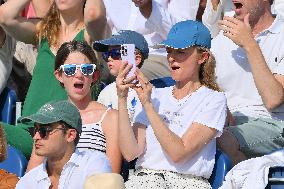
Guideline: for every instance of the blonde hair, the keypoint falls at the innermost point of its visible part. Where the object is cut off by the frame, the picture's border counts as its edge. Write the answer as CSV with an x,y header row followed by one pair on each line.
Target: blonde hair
x,y
49,26
3,145
207,70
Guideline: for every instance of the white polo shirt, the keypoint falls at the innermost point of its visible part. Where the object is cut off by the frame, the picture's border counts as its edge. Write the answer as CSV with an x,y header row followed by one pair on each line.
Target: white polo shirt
x,y
74,173
204,106
234,73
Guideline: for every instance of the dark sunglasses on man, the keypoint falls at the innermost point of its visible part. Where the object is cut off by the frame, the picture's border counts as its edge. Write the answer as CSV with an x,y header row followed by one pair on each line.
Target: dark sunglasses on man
x,y
45,129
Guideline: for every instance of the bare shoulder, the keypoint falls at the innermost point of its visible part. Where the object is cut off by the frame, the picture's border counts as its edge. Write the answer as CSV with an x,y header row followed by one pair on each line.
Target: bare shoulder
x,y
112,116
110,122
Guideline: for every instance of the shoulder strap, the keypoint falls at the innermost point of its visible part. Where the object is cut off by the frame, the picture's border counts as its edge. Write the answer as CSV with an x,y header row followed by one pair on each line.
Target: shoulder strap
x,y
101,120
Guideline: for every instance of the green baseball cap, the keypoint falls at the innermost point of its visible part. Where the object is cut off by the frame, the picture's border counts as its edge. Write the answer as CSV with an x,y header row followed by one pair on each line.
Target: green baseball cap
x,y
56,111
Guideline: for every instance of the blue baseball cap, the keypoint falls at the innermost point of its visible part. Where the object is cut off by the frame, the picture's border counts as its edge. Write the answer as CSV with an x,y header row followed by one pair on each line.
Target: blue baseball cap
x,y
124,37
186,34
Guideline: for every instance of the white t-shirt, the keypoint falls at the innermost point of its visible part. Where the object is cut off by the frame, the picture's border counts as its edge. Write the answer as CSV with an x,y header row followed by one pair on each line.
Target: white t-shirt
x,y
225,7
234,73
108,97
204,106
74,173
6,55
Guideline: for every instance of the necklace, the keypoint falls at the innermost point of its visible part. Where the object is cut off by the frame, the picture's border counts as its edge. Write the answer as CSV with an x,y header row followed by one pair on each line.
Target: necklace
x,y
182,101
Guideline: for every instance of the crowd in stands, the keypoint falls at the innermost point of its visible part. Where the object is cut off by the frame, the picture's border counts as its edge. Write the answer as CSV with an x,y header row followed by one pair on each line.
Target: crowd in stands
x,y
83,115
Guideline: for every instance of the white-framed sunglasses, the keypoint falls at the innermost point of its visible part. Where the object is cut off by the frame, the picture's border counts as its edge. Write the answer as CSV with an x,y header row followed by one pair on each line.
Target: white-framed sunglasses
x,y
71,69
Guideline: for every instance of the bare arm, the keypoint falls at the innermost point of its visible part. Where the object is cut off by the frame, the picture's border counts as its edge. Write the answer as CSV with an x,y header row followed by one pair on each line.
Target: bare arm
x,y
12,23
179,148
271,89
41,7
110,128
131,139
95,19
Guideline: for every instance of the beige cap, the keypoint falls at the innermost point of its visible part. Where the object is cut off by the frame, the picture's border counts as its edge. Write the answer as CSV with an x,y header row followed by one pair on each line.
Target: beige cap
x,y
104,181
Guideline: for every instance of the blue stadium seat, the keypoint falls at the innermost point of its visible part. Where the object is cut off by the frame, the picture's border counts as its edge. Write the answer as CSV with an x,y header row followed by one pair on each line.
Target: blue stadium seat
x,y
276,174
222,166
8,100
15,163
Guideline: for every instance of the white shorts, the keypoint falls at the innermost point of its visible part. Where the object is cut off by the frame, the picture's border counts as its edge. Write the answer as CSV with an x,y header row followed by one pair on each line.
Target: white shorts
x,y
148,178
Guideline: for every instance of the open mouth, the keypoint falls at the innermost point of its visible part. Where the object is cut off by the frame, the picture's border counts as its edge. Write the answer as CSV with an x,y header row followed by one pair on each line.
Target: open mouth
x,y
175,68
237,5
79,85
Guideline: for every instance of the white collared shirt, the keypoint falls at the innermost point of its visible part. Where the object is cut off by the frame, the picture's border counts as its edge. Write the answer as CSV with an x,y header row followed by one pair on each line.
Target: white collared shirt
x,y
225,7
124,15
74,173
234,74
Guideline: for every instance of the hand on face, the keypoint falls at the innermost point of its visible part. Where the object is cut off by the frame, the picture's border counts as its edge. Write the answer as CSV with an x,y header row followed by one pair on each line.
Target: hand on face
x,y
238,31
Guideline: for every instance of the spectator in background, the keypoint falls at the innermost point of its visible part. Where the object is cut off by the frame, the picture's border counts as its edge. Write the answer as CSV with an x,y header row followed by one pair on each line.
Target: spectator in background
x,y
57,128
174,133
153,19
7,180
7,50
111,47
216,9
249,56
65,21
100,129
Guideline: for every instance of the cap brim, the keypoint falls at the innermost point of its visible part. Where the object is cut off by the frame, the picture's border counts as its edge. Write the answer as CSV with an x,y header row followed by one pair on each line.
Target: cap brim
x,y
103,45
38,118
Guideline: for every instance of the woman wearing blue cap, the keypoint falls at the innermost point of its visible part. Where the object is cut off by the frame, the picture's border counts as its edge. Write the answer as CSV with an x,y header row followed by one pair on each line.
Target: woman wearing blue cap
x,y
175,128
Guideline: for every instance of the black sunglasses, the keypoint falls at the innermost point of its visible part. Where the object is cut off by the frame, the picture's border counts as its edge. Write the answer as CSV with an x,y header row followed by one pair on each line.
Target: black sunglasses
x,y
113,53
44,130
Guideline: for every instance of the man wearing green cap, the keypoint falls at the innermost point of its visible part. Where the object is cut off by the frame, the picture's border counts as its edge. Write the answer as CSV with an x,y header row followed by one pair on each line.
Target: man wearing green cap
x,y
57,128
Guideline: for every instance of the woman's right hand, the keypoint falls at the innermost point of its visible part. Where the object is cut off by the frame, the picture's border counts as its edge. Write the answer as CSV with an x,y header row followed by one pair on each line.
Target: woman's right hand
x,y
123,83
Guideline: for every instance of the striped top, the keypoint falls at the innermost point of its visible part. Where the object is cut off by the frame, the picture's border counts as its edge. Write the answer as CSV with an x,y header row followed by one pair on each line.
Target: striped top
x,y
92,136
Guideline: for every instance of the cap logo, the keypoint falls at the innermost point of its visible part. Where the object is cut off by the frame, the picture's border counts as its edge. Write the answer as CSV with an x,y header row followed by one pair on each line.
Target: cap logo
x,y
47,108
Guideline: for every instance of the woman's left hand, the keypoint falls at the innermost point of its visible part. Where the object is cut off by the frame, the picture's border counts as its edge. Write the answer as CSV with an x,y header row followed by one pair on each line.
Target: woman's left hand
x,y
143,88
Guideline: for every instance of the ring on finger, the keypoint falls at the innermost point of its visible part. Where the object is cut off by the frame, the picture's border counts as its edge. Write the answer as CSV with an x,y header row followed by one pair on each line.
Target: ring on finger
x,y
123,81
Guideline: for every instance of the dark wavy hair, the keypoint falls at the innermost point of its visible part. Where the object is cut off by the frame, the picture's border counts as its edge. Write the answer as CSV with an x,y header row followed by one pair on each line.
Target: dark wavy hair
x,y
74,46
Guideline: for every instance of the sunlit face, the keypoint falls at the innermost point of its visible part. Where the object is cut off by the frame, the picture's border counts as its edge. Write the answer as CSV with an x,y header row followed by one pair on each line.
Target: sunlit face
x,y
254,7
184,63
78,85
114,63
70,5
54,144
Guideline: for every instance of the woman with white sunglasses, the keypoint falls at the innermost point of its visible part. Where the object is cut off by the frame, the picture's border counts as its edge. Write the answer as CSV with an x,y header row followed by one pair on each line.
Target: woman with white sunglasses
x,y
76,70
83,20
